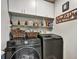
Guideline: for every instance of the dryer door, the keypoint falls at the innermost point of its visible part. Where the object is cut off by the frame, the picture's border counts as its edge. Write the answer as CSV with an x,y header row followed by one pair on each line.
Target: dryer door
x,y
26,53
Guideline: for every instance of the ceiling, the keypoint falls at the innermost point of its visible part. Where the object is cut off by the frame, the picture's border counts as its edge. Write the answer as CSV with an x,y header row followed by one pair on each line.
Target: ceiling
x,y
51,1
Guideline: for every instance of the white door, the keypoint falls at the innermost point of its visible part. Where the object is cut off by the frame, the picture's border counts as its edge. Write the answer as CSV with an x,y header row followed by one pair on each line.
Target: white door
x,y
45,9
22,6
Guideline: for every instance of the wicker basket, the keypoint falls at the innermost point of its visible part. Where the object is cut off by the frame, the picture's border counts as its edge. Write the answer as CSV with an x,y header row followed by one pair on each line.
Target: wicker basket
x,y
32,34
17,33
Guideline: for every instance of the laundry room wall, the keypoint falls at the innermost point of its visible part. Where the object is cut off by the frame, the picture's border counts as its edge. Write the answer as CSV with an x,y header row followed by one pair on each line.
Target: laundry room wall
x,y
68,30
4,24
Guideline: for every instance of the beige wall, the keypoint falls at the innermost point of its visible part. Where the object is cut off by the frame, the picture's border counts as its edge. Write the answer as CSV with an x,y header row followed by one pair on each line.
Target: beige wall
x,y
68,30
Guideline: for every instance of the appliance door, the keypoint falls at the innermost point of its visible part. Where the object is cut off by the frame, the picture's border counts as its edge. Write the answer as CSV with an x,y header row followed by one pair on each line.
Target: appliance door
x,y
26,53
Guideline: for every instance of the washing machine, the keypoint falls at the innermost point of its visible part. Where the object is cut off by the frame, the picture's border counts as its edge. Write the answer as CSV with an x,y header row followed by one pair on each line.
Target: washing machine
x,y
24,49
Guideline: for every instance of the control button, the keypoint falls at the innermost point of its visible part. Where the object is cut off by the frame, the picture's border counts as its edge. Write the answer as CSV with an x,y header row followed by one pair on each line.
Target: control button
x,y
25,42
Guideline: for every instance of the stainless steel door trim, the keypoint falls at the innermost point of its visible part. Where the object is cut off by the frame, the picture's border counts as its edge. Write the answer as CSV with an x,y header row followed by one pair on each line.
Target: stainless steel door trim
x,y
23,48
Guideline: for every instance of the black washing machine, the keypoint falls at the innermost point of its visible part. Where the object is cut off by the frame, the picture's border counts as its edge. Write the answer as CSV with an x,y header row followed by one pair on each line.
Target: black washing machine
x,y
24,49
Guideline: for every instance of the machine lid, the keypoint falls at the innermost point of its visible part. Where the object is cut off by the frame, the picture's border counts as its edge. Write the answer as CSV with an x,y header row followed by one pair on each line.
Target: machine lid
x,y
49,36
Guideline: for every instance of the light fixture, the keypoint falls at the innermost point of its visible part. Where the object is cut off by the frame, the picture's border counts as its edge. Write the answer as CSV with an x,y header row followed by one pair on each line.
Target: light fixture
x,y
51,1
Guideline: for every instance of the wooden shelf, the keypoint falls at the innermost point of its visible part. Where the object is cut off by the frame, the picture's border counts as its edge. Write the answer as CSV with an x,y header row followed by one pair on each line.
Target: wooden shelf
x,y
26,17
11,13
25,26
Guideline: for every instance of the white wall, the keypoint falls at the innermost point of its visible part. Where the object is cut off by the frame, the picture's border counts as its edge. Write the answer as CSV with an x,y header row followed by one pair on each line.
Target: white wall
x,y
67,30
4,24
